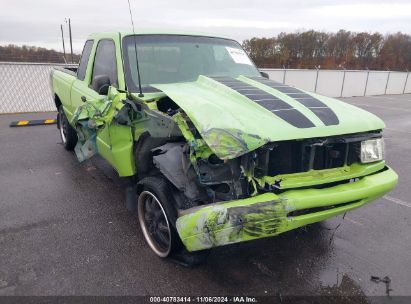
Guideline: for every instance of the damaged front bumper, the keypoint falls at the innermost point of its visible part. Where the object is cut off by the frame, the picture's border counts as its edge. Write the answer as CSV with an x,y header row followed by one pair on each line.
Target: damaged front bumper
x,y
270,214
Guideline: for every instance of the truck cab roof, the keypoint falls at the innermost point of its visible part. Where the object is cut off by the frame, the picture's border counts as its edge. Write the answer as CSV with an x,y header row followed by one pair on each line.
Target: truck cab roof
x,y
102,35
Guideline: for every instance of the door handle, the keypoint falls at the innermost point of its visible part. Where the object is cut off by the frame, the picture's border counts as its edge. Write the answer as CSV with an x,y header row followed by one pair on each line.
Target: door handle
x,y
83,98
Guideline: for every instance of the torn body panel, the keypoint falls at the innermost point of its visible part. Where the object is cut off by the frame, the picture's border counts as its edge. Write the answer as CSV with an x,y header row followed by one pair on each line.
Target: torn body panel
x,y
270,214
102,128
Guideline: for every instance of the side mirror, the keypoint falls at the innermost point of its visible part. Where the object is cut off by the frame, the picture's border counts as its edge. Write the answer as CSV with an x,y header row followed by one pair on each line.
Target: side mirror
x,y
264,74
100,84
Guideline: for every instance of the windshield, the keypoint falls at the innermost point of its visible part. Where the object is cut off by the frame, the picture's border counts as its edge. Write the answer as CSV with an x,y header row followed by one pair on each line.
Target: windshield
x,y
173,58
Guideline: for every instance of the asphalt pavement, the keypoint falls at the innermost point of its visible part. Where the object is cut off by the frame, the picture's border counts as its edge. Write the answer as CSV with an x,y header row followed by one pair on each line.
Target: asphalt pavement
x,y
64,230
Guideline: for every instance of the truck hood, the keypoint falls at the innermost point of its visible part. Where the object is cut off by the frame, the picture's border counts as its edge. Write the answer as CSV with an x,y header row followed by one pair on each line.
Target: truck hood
x,y
237,115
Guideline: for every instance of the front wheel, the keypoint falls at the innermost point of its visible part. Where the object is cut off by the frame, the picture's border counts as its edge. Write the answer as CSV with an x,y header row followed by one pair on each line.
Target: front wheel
x,y
156,215
67,133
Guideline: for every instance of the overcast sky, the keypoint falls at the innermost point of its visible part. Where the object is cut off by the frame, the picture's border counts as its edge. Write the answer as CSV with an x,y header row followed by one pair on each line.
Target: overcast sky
x,y
37,22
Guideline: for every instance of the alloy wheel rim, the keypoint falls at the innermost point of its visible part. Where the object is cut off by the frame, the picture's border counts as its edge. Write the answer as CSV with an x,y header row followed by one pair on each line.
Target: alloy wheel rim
x,y
154,223
62,128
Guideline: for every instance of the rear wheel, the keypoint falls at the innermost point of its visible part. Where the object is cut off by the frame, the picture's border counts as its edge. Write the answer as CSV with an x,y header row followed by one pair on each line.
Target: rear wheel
x,y
157,216
67,133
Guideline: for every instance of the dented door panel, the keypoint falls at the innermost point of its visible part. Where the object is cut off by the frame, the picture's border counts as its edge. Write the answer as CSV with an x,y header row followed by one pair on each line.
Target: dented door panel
x,y
103,130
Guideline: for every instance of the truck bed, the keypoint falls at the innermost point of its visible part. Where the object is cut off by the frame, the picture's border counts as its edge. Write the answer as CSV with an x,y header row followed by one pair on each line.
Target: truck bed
x,y
61,81
69,70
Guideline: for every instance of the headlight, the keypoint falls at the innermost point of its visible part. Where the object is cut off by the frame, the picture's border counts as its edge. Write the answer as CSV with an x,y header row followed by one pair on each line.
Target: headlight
x,y
372,150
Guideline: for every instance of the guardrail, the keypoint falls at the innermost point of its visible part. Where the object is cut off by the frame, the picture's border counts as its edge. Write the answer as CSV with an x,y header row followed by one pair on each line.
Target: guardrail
x,y
344,83
25,87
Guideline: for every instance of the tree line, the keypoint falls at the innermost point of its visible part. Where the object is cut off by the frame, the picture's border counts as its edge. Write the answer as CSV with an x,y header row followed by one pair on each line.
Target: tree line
x,y
14,53
341,50
308,49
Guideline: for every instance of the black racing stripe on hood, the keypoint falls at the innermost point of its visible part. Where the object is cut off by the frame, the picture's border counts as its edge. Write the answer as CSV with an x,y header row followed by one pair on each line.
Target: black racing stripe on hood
x,y
295,117
287,90
326,115
323,112
275,105
309,102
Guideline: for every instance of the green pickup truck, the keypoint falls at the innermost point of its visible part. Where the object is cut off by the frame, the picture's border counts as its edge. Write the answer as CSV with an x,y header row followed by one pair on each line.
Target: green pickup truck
x,y
213,151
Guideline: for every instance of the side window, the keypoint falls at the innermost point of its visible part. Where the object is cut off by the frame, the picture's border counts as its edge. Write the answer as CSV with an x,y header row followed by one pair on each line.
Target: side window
x,y
105,61
81,72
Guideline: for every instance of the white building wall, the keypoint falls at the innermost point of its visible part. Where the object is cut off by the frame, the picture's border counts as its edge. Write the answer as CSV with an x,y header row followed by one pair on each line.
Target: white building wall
x,y
333,83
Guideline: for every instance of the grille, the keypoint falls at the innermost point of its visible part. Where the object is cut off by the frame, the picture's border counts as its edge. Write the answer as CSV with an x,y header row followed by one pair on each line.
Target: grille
x,y
288,157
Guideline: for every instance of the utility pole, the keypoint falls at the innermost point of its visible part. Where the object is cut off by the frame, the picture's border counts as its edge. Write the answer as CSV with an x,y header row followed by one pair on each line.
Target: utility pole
x,y
62,39
71,42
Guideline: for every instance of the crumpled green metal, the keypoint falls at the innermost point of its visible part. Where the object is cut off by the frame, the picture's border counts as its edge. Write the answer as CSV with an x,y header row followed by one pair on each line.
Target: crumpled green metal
x,y
269,214
90,117
233,125
99,111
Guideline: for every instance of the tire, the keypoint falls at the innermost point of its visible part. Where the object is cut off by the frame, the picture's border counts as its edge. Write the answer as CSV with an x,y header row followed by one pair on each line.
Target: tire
x,y
67,133
157,216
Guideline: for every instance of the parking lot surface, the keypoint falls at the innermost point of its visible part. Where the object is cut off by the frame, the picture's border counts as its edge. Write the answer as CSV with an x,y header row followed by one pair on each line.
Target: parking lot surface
x,y
64,230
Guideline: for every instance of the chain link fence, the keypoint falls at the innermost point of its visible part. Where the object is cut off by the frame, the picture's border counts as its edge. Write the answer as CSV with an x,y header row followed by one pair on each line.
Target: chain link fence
x,y
25,87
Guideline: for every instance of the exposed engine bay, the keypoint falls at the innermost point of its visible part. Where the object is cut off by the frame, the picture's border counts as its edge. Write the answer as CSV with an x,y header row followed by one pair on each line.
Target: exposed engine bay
x,y
204,178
